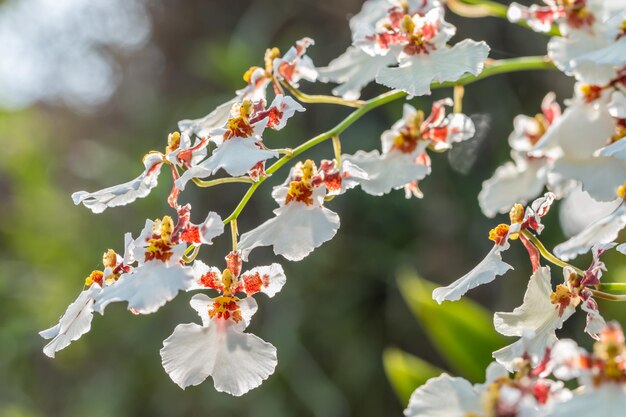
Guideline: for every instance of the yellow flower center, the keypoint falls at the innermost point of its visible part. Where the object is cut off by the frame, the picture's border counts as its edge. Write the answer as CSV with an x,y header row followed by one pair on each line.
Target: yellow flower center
x,y
173,142
499,233
160,244
302,188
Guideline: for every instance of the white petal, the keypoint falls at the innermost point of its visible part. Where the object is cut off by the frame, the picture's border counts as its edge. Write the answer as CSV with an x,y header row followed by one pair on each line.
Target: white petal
x,y
601,66
617,105
147,288
122,194
595,322
578,210
353,70
75,322
295,232
237,361
513,183
486,271
201,127
604,230
212,227
581,129
616,149
444,396
565,359
386,172
268,279
416,74
200,269
600,176
236,156
535,321
609,400
287,108
621,248
564,50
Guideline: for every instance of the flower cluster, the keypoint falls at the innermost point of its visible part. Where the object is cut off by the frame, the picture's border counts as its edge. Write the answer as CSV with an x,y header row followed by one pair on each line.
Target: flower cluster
x,y
577,152
231,144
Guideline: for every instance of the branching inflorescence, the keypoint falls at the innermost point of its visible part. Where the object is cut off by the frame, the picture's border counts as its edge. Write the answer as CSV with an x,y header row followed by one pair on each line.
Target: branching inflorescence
x,y
576,153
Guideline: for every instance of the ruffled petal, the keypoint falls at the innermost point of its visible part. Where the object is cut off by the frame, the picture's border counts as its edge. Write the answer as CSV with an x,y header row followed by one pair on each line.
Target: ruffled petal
x,y
295,232
513,183
265,279
615,150
353,70
147,288
444,396
535,322
608,400
601,231
203,126
120,195
578,210
486,271
211,228
75,322
417,72
237,361
386,172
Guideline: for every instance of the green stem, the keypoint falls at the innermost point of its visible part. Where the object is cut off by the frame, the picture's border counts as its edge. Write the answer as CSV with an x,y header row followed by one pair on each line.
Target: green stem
x,y
548,256
612,286
204,184
607,296
491,68
307,98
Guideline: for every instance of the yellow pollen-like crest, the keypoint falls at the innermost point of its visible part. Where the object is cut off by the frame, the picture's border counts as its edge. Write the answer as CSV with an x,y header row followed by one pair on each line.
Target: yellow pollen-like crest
x,y
406,24
517,213
270,55
498,233
227,281
109,259
247,76
173,142
95,277
308,171
560,294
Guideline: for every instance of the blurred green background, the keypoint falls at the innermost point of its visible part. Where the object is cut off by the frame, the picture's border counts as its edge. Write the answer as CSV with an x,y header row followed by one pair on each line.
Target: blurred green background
x,y
84,97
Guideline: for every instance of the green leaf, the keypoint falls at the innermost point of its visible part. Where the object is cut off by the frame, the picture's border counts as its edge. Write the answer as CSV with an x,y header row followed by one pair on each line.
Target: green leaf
x,y
407,372
461,331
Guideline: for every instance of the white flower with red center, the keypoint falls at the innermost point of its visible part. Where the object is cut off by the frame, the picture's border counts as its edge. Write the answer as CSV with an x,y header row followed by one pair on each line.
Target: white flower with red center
x,y
302,223
525,177
179,152
160,273
602,231
292,67
593,51
76,321
411,34
544,311
240,147
404,160
120,195
585,126
492,265
446,396
295,65
602,373
535,321
570,14
237,361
